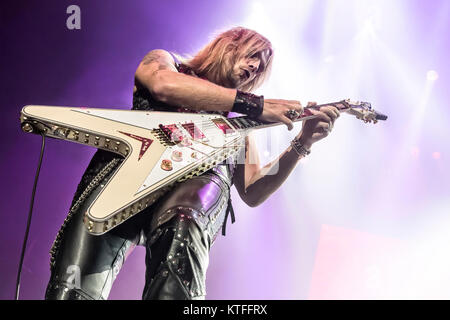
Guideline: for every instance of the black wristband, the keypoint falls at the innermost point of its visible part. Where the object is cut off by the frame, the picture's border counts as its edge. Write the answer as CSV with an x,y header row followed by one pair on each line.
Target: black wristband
x,y
249,104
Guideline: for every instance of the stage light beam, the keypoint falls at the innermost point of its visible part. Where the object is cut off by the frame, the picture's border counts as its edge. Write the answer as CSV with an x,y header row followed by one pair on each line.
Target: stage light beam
x,y
432,75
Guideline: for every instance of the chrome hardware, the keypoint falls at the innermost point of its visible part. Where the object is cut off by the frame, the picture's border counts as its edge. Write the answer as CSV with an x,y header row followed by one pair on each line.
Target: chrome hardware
x,y
27,127
166,165
177,156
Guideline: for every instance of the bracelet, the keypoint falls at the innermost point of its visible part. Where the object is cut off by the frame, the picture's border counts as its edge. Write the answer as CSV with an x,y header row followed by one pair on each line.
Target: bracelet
x,y
299,148
249,104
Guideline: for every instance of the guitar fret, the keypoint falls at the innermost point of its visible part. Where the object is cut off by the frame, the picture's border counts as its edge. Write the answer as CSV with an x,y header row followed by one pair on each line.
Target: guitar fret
x,y
244,122
240,123
256,123
234,123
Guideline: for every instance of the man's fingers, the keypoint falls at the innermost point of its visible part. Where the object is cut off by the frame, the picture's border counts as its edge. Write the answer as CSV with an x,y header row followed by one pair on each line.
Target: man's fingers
x,y
297,106
336,110
287,122
323,127
331,111
331,114
321,115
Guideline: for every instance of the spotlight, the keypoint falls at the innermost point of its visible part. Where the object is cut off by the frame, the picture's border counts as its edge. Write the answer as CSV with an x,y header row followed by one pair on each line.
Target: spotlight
x,y
432,75
329,58
436,155
415,152
368,29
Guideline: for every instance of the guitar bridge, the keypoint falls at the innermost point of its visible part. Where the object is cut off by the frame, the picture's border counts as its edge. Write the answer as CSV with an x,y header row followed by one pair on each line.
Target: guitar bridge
x,y
172,133
162,137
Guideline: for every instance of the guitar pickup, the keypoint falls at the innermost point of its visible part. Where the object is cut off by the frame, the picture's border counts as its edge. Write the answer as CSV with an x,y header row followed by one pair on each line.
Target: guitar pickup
x,y
223,125
172,132
193,130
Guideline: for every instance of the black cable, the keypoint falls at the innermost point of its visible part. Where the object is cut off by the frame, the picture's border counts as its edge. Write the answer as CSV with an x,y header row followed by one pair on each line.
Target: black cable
x,y
29,218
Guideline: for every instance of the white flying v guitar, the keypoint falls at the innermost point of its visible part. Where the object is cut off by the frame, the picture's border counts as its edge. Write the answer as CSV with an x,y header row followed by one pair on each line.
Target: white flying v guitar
x,y
159,148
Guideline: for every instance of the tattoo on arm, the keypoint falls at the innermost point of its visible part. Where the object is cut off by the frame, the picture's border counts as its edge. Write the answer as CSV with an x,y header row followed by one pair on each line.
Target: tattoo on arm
x,y
161,67
155,57
150,57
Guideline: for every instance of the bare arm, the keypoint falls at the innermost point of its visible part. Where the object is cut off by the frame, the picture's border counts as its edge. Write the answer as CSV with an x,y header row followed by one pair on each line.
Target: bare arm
x,y
158,74
255,184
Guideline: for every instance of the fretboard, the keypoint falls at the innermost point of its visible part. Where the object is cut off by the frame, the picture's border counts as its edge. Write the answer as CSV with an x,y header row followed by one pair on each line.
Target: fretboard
x,y
246,123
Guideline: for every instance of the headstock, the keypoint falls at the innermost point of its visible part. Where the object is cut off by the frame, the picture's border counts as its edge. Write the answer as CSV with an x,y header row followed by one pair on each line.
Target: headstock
x,y
363,110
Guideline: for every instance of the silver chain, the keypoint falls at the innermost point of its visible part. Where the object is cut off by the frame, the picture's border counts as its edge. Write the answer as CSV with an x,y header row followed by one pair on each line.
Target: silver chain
x,y
91,186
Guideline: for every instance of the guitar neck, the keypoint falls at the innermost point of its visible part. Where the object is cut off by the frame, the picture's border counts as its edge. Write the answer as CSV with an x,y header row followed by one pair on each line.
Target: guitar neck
x,y
246,123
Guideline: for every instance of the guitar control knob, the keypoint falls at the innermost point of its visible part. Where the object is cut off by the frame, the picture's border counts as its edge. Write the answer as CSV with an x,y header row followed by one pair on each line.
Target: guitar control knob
x,y
177,156
166,165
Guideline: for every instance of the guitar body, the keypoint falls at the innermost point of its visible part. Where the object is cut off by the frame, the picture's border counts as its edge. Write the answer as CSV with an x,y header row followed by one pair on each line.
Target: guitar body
x,y
159,149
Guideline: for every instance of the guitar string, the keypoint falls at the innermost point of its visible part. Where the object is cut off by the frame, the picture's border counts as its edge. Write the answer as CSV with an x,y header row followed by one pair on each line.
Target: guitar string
x,y
207,125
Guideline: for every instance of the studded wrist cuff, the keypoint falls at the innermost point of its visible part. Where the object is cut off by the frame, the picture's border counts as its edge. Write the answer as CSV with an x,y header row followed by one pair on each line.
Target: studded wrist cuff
x,y
249,104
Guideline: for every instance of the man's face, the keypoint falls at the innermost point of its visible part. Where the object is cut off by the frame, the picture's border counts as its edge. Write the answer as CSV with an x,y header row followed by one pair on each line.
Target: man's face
x,y
247,68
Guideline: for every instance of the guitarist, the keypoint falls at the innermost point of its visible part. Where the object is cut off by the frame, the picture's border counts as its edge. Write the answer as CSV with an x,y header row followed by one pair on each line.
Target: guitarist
x,y
179,229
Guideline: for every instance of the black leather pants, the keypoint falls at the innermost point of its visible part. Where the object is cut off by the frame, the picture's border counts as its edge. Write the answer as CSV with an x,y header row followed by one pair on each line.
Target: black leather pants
x,y
177,232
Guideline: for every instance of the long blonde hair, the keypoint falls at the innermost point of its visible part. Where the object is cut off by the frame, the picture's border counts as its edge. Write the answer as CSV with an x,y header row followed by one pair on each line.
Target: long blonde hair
x,y
209,62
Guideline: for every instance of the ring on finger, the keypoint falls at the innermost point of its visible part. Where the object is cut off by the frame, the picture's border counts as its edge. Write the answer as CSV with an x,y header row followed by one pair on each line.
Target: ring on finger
x,y
291,114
